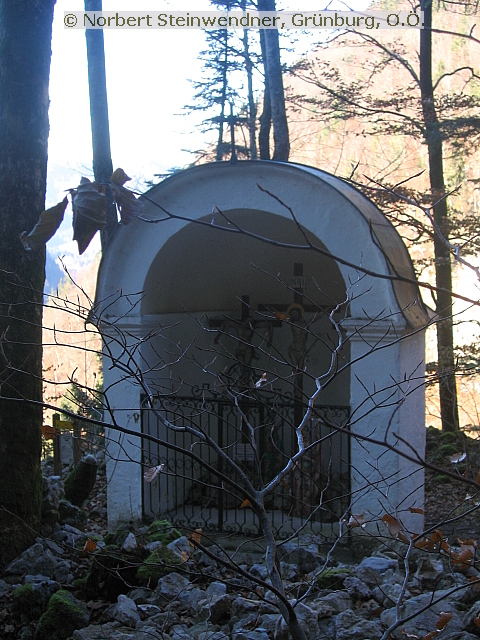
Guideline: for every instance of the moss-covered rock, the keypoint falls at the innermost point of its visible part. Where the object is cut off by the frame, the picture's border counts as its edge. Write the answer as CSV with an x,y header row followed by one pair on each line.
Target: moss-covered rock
x,y
158,564
332,578
27,602
63,615
118,536
163,531
111,573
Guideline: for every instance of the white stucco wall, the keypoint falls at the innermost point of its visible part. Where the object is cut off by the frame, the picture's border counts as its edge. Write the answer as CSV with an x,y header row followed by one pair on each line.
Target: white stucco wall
x,y
381,481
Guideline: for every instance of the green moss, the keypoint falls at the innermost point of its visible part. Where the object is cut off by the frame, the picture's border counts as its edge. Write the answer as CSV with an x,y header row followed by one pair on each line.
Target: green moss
x,y
448,449
332,578
117,537
158,564
28,602
163,531
61,618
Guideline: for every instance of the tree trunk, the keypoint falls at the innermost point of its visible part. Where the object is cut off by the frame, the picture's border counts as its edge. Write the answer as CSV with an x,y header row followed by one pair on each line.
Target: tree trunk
x,y
443,265
275,84
25,52
223,100
266,117
97,86
252,107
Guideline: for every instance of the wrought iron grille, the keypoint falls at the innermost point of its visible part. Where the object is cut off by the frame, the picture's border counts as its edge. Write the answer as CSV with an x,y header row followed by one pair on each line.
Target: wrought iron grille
x,y
315,494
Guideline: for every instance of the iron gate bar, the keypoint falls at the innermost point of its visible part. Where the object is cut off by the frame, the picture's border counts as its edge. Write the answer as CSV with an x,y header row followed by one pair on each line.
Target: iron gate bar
x,y
192,498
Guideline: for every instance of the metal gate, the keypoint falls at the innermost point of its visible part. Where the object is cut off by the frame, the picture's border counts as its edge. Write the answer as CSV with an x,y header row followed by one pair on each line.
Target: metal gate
x,y
315,494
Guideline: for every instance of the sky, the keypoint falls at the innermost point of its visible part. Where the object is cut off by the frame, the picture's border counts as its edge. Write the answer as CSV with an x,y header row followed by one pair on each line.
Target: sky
x,y
148,85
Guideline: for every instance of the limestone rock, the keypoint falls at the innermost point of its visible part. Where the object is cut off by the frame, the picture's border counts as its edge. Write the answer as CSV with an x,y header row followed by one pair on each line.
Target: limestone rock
x,y
171,585
371,570
63,615
351,626
126,611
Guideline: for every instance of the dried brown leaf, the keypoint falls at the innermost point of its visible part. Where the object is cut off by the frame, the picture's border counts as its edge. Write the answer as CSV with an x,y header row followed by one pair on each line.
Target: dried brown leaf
x,y
151,474
88,212
392,524
443,619
119,177
45,228
356,520
245,503
416,510
128,205
476,621
456,458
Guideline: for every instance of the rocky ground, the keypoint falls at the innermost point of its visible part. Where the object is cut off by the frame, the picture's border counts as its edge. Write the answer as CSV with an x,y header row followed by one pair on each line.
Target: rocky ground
x,y
140,583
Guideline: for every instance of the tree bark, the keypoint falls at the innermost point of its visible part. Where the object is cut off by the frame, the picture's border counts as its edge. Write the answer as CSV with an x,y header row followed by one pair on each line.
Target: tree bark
x,y
281,137
266,117
25,53
97,86
443,265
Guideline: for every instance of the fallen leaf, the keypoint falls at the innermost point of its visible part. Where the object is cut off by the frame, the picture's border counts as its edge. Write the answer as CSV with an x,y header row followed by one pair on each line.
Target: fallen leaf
x,y
443,619
356,520
46,227
89,216
151,474
90,546
416,510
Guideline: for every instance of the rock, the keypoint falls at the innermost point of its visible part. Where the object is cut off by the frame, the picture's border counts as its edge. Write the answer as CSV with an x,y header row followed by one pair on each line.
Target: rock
x,y
153,546
171,585
24,563
337,601
148,610
191,597
71,514
216,590
351,626
215,610
63,615
125,611
424,622
305,557
259,571
356,588
307,618
289,571
4,588
470,616
80,482
130,544
256,634
242,606
428,572
108,631
181,547
388,594
371,570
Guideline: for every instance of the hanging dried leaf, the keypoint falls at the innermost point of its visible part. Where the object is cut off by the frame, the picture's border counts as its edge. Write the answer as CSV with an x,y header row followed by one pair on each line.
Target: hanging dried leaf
x,y
119,177
392,524
245,503
45,228
456,458
128,205
185,556
443,619
88,212
356,520
90,546
416,510
476,621
151,474
431,635
463,558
